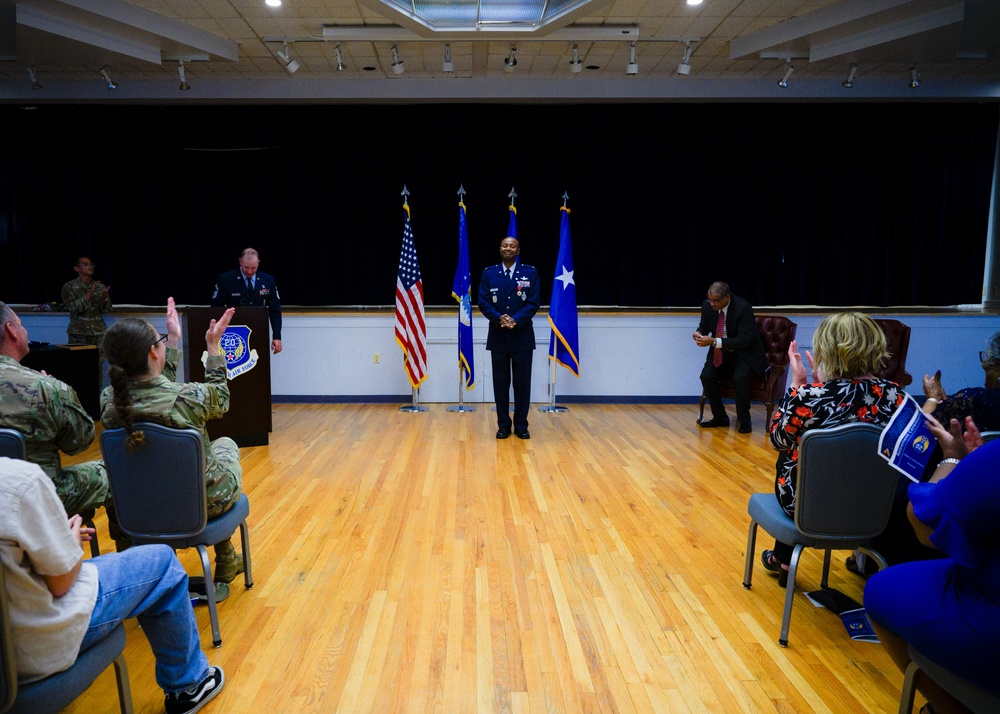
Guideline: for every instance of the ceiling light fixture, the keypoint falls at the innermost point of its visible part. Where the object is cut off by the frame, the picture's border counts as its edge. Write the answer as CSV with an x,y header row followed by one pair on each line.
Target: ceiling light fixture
x,y
783,82
685,66
576,64
180,73
510,62
694,2
849,82
340,59
107,78
272,3
914,79
398,66
632,68
35,84
291,65
447,65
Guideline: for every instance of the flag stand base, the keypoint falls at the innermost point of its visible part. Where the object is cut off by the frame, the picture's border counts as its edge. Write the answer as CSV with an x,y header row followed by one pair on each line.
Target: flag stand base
x,y
553,408
461,408
413,408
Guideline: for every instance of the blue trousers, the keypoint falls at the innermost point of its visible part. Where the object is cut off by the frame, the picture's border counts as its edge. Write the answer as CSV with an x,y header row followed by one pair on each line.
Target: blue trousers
x,y
517,364
147,582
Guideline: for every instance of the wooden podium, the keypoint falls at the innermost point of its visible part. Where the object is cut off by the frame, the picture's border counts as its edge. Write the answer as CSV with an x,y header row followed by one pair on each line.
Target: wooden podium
x,y
246,342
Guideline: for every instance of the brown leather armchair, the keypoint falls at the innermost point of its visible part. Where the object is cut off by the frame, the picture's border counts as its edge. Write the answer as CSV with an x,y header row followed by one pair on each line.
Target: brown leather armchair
x,y
777,333
897,337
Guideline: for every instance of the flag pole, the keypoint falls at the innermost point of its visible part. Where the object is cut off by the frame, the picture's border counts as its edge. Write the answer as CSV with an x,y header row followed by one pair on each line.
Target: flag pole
x,y
414,405
461,408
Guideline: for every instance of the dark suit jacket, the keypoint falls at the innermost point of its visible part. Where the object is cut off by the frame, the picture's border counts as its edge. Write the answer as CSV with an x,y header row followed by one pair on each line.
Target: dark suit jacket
x,y
517,297
742,337
231,291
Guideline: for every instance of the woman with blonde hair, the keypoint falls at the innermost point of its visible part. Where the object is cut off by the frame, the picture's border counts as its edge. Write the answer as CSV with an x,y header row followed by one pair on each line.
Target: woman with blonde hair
x,y
850,349
142,368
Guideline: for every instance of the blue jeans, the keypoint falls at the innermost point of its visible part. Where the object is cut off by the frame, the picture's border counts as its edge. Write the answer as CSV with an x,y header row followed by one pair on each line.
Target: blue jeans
x,y
147,582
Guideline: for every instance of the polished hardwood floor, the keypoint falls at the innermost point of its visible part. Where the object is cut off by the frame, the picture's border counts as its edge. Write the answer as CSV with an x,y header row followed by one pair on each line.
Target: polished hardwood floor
x,y
413,563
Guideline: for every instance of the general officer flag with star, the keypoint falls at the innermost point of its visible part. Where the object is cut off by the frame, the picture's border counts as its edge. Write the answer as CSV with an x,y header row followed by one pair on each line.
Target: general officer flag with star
x,y
564,344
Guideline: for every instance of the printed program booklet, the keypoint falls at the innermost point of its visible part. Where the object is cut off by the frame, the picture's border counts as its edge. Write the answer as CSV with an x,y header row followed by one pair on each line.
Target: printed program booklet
x,y
907,442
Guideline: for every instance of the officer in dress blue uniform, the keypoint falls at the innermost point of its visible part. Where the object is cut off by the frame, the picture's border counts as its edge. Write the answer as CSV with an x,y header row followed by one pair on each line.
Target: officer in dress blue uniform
x,y
508,297
246,286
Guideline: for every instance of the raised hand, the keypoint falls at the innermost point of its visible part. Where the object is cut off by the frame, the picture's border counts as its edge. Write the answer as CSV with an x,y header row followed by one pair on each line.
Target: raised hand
x,y
215,330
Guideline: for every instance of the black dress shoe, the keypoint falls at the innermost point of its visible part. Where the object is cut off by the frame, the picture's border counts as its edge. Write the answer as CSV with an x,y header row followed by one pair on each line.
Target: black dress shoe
x,y
745,429
523,434
503,433
713,423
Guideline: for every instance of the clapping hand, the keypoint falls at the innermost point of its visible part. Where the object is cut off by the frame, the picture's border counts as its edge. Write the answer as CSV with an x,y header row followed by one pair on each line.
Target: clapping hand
x,y
955,444
795,365
215,330
933,388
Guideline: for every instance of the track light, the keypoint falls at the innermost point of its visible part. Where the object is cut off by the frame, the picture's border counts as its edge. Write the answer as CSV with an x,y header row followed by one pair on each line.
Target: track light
x,y
685,66
447,66
107,78
340,59
510,62
914,79
849,82
180,73
783,82
398,66
632,68
35,84
291,65
576,64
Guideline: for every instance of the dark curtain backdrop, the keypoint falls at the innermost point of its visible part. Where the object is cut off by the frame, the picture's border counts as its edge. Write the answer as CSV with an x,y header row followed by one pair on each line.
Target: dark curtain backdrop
x,y
828,204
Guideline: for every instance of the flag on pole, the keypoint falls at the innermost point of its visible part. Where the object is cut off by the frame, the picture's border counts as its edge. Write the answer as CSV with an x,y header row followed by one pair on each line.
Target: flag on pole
x,y
564,344
461,290
512,226
411,330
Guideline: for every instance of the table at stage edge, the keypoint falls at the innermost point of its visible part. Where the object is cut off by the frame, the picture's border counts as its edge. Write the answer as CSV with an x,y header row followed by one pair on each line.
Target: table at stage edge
x,y
76,365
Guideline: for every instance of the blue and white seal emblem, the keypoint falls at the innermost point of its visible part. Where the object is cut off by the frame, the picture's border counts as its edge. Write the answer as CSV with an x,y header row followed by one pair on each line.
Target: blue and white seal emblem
x,y
235,344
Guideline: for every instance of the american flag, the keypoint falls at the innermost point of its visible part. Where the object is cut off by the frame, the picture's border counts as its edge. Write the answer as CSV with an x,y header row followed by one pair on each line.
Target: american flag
x,y
411,331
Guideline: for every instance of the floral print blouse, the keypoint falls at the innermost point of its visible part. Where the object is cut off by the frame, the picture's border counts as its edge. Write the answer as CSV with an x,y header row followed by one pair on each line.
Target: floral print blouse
x,y
821,405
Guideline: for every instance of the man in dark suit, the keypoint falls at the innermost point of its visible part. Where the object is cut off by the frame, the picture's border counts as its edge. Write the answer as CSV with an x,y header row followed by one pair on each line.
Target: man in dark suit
x,y
728,328
245,287
508,297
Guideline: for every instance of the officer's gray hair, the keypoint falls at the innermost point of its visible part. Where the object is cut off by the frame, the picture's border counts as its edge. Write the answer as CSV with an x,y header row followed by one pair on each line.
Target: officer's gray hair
x,y
6,315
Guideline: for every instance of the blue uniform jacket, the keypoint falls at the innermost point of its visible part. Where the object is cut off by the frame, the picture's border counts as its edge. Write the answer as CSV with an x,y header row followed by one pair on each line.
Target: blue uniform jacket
x,y
517,297
231,291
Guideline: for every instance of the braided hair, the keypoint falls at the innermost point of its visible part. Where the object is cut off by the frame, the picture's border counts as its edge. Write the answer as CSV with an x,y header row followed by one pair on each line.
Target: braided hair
x,y
126,346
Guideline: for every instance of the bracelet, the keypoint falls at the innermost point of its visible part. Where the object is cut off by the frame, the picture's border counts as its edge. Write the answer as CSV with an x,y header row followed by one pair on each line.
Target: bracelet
x,y
948,461
932,399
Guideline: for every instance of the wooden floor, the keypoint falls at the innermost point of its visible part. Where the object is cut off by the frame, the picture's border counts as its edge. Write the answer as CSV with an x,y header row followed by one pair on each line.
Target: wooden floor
x,y
413,563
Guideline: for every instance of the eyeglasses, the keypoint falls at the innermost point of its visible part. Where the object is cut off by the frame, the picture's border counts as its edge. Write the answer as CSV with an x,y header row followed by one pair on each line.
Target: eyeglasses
x,y
163,338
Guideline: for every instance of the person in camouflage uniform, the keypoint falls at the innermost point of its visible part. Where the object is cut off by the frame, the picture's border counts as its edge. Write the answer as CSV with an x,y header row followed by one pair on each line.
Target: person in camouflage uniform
x,y
86,299
49,415
142,369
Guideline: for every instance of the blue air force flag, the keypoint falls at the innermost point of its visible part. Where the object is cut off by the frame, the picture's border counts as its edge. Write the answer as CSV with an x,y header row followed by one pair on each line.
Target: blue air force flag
x,y
461,290
564,344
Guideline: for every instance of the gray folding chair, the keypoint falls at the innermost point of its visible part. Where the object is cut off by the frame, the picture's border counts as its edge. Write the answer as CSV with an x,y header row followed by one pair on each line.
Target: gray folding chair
x,y
58,691
974,697
159,496
845,493
12,446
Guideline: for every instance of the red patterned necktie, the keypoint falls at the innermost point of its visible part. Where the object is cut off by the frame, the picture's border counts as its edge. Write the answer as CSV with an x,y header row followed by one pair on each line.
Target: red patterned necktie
x,y
720,331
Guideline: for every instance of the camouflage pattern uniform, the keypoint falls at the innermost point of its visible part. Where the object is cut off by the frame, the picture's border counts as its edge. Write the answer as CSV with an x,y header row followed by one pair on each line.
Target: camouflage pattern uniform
x,y
51,418
189,406
86,326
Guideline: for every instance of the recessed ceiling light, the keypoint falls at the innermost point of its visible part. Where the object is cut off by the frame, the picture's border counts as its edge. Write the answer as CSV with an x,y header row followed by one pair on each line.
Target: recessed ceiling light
x,y
272,3
694,2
